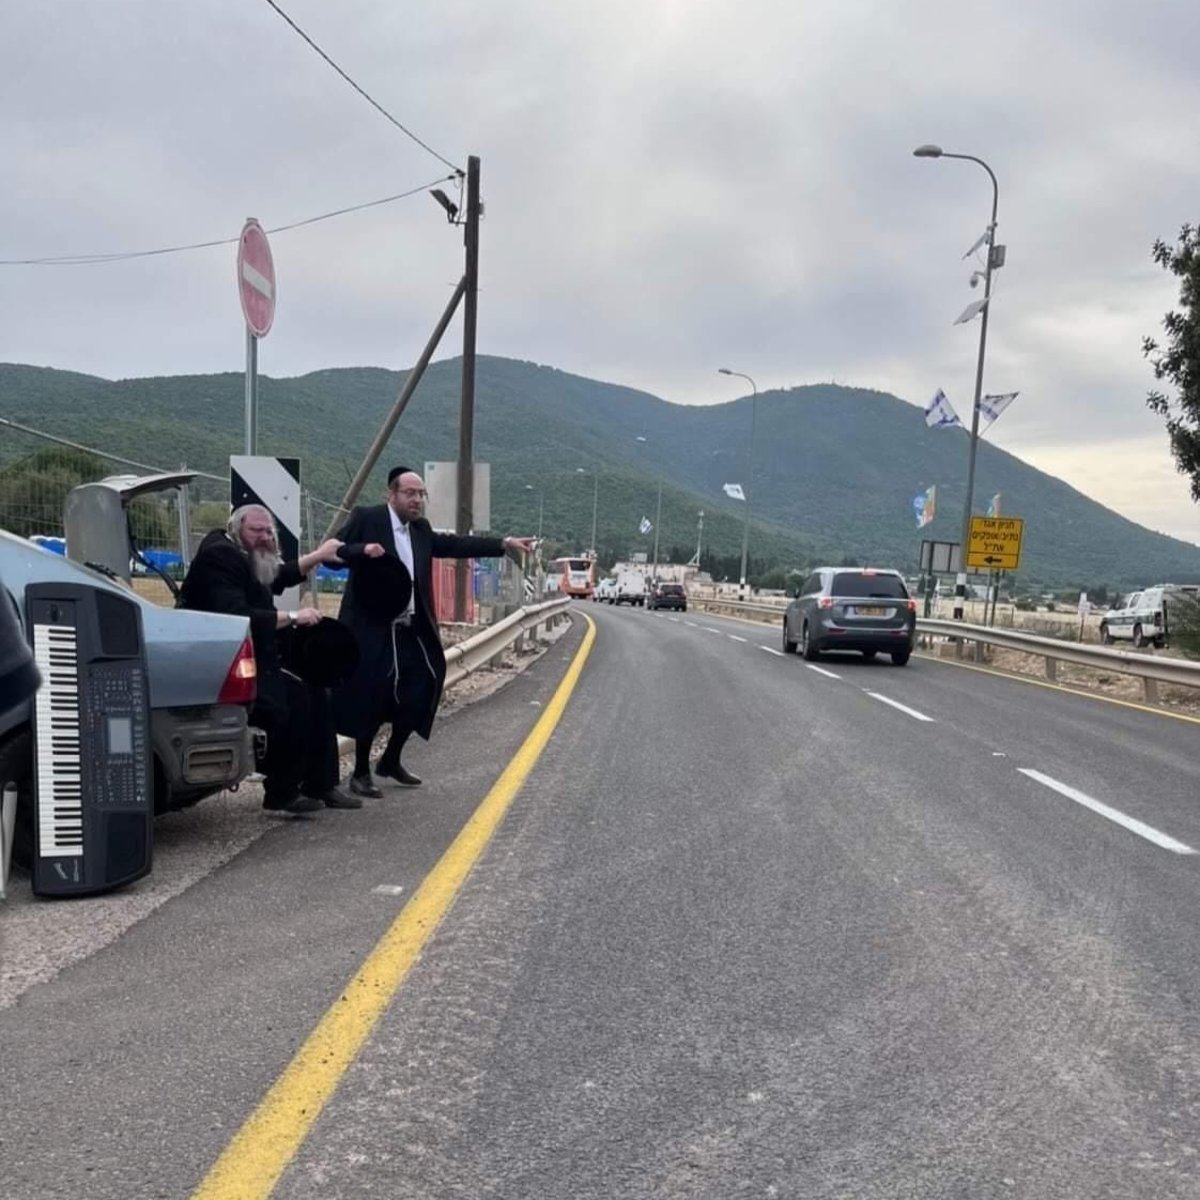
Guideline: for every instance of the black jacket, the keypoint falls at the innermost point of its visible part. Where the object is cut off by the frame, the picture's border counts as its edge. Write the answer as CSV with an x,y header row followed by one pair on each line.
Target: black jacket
x,y
221,580
19,678
356,703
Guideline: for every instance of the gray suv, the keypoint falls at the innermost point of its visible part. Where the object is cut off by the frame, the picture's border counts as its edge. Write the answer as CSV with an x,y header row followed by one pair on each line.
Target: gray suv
x,y
851,608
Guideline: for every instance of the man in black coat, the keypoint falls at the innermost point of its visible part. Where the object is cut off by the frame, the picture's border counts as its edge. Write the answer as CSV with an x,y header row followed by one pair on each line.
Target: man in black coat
x,y
239,570
401,663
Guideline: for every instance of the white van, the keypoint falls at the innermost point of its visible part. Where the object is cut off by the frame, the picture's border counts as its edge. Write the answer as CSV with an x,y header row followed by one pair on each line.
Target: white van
x,y
631,588
1144,617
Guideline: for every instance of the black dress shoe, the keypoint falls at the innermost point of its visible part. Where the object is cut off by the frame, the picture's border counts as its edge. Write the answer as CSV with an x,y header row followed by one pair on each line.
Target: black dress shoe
x,y
336,798
398,773
301,804
364,785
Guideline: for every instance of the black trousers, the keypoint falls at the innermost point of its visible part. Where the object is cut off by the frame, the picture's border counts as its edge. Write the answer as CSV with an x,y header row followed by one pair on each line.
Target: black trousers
x,y
301,755
413,686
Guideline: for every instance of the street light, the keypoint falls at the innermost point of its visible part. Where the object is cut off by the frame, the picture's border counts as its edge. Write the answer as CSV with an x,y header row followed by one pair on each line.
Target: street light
x,y
657,517
993,260
541,505
749,488
595,502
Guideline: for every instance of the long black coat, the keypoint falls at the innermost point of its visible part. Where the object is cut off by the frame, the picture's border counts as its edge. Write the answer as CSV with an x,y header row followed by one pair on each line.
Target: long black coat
x,y
362,704
221,580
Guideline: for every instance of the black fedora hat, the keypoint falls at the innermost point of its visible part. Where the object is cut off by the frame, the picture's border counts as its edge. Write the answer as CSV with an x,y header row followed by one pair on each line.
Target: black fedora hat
x,y
324,654
382,586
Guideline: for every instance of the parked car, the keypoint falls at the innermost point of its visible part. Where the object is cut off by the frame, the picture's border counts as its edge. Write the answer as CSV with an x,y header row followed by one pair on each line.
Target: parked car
x,y
668,595
631,588
1143,617
844,608
200,677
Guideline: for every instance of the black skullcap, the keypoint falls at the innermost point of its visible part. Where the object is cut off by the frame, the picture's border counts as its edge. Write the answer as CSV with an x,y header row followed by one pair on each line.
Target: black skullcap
x,y
396,472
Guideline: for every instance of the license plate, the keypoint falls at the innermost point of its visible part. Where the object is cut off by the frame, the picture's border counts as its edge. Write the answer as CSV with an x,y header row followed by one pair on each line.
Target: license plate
x,y
870,611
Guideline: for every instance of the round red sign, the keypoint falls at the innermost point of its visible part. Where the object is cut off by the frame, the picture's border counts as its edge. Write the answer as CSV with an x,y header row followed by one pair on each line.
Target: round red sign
x,y
256,279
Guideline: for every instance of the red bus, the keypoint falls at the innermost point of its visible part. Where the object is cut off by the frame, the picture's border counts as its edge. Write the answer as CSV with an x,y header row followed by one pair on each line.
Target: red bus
x,y
576,576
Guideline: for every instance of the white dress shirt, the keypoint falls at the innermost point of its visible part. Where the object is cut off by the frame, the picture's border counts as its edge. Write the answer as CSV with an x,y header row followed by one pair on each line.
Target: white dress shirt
x,y
403,542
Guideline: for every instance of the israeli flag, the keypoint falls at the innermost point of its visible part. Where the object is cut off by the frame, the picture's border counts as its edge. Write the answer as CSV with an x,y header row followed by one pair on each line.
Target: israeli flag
x,y
990,407
994,506
734,491
939,412
645,526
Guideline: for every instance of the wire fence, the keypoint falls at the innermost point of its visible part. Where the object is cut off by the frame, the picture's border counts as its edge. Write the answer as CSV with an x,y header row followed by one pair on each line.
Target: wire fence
x,y
38,470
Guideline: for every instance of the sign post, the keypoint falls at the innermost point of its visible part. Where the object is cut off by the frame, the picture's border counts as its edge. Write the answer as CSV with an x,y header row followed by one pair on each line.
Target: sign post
x,y
256,290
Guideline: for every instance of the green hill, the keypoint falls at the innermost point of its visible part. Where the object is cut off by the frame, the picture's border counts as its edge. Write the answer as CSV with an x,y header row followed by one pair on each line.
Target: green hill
x,y
835,468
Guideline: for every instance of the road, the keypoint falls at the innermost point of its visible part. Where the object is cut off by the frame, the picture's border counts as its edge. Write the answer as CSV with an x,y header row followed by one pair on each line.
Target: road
x,y
749,928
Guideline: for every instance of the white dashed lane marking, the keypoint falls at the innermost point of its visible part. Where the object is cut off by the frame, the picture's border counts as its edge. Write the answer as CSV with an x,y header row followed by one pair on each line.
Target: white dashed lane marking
x,y
912,712
733,637
822,671
769,650
1131,823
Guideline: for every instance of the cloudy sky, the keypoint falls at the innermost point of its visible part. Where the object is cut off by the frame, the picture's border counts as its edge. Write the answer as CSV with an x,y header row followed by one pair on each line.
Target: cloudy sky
x,y
670,186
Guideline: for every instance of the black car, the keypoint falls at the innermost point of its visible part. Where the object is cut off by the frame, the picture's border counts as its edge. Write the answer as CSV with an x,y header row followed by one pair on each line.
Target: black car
x,y
851,608
668,595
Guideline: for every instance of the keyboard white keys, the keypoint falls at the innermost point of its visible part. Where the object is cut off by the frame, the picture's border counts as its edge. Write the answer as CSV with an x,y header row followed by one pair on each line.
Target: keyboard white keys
x,y
60,766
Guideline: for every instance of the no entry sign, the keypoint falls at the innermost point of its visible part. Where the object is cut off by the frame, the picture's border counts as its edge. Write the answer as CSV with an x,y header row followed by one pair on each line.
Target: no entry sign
x,y
256,279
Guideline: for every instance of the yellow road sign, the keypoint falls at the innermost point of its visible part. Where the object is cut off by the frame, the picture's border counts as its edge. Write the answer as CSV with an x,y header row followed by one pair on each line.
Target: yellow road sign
x,y
995,543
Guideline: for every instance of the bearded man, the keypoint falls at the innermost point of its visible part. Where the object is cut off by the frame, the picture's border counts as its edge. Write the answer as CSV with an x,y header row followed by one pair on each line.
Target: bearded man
x,y
239,570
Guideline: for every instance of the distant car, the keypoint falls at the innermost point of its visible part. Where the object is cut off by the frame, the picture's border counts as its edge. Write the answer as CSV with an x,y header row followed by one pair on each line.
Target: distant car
x,y
668,595
606,590
1143,617
631,588
851,608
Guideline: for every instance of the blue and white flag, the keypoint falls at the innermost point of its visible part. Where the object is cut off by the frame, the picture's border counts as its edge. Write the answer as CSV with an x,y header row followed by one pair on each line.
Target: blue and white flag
x,y
990,407
994,506
939,412
644,525
925,506
734,491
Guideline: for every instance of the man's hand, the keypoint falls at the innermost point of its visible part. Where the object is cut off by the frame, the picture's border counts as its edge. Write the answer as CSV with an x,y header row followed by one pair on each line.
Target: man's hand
x,y
374,550
308,616
524,544
327,552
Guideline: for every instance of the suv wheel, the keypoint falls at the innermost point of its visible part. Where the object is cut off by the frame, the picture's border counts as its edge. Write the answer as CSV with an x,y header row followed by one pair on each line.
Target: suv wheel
x,y
1105,637
789,647
1138,640
807,646
900,657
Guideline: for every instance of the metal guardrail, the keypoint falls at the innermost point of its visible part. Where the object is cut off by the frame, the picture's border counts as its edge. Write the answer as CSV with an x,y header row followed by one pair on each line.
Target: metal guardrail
x,y
479,649
1150,669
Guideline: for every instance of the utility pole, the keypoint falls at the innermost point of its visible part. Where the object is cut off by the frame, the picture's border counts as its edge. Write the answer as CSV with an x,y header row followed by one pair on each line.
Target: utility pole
x,y
464,518
657,522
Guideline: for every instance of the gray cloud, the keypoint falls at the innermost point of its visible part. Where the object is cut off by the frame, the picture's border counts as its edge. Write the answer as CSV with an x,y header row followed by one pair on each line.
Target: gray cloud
x,y
670,187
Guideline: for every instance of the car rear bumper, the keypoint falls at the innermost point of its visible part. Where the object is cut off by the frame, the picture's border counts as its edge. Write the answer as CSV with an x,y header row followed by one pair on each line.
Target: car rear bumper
x,y
846,637
200,751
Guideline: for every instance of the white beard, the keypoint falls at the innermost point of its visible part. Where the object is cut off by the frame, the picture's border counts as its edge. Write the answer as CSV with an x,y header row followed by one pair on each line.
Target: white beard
x,y
265,564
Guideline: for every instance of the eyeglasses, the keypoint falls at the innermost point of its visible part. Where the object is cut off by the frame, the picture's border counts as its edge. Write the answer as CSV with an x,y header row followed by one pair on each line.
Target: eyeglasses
x,y
413,492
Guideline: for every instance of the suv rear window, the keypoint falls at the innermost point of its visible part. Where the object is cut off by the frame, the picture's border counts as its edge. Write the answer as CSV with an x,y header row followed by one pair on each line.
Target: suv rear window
x,y
671,589
857,584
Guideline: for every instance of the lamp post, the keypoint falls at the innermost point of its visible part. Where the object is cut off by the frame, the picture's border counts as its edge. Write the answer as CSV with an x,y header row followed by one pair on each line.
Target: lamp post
x,y
595,502
749,488
541,505
641,441
994,260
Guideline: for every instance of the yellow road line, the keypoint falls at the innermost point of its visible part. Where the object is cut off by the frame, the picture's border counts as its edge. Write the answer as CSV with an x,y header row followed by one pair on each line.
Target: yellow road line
x,y
250,1166
1060,687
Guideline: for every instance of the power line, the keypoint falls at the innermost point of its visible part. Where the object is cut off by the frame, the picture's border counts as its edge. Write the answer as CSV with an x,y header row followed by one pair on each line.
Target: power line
x,y
73,260
369,99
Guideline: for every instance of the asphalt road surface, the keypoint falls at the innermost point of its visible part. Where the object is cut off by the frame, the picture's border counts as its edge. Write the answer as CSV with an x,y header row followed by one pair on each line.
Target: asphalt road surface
x,y
749,929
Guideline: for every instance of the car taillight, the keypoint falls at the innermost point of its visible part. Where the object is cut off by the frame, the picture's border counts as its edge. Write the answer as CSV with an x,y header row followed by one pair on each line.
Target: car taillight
x,y
240,686
912,605
825,602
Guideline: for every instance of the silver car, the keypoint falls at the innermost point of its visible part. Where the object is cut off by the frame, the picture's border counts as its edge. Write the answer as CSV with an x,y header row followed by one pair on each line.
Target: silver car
x,y
851,608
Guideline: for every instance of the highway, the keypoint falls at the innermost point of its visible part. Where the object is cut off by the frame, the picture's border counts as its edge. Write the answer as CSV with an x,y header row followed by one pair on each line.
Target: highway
x,y
750,927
